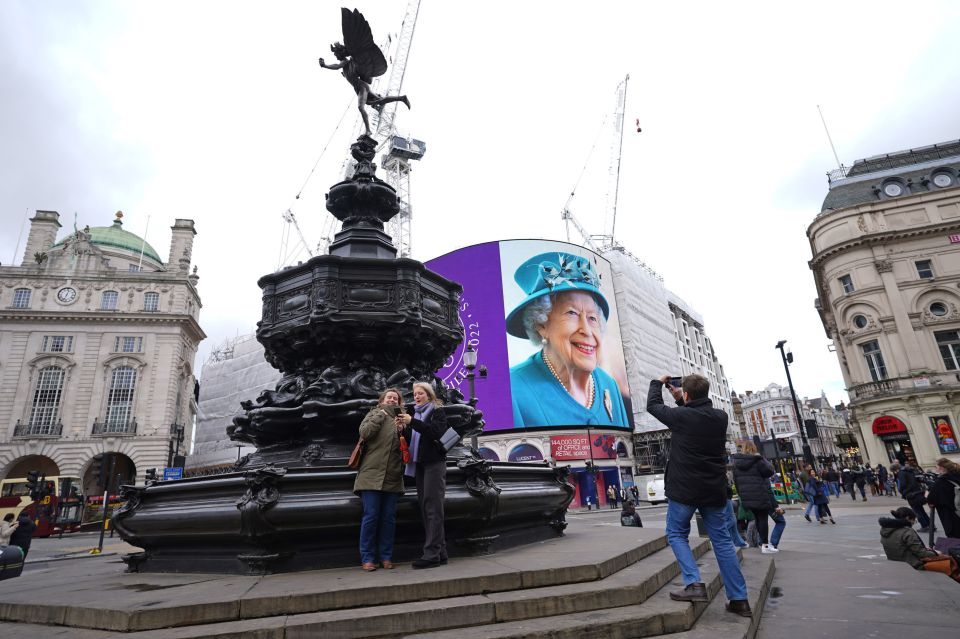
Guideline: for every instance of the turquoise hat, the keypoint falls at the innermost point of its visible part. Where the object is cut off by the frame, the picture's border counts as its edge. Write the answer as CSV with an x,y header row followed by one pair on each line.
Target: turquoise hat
x,y
550,273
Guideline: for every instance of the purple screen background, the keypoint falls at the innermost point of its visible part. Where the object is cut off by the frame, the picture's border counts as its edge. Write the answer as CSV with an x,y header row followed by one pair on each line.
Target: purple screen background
x,y
477,269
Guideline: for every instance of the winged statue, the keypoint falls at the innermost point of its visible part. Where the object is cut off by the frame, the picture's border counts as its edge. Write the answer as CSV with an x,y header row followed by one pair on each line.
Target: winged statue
x,y
360,60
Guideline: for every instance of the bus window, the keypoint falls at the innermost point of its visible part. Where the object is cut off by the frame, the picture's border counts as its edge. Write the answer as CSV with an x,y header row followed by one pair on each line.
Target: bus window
x,y
15,489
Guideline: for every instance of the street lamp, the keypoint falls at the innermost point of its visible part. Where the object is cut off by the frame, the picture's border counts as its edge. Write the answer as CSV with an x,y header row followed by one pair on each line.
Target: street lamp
x,y
470,361
807,453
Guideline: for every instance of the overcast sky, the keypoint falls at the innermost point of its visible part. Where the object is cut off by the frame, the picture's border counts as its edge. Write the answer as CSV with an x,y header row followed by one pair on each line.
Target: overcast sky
x,y
218,111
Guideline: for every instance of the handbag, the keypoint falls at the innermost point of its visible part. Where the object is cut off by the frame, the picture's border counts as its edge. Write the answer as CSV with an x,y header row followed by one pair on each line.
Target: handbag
x,y
356,456
449,439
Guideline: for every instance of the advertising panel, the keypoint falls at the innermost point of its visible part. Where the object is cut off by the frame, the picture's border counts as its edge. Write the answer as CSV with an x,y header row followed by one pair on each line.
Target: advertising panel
x,y
572,447
543,318
943,431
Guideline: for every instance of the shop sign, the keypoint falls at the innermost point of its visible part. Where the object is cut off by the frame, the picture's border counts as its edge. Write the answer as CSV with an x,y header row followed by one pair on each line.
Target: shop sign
x,y
887,425
525,453
955,239
564,447
921,382
488,454
943,431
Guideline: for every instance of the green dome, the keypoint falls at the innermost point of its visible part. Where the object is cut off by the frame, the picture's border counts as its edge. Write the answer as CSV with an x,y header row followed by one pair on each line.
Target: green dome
x,y
115,237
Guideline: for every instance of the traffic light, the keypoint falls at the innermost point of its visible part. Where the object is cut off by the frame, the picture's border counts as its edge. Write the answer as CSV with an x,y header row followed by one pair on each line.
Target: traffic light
x,y
33,484
151,474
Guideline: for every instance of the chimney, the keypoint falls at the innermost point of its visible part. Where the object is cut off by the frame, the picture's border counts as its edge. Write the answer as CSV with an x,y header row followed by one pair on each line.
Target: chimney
x,y
43,233
181,245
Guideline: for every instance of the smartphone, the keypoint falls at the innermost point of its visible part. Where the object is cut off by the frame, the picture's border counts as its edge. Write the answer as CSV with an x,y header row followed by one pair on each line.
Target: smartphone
x,y
392,411
676,382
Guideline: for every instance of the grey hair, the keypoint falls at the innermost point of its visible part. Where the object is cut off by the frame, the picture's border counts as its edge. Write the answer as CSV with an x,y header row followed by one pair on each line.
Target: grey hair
x,y
536,313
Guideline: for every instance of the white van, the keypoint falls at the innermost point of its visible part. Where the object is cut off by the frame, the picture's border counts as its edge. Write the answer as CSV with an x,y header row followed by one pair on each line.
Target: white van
x,y
650,488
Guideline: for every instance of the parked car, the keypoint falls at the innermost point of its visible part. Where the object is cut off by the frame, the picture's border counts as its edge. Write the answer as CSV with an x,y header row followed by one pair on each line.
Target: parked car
x,y
651,488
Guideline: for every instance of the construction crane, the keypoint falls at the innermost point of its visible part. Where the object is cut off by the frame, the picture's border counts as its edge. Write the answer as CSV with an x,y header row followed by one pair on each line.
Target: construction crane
x,y
605,241
399,150
285,252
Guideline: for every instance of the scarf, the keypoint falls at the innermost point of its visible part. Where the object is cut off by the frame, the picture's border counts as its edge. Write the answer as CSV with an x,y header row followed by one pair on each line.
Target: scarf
x,y
422,413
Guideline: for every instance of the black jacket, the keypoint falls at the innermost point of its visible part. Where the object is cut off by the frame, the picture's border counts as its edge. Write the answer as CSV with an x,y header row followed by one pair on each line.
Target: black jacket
x,y
430,431
941,495
751,474
696,470
23,534
910,488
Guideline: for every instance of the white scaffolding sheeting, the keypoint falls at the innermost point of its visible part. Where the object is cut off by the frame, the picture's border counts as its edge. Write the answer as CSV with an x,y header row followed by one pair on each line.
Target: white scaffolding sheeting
x,y
647,331
234,372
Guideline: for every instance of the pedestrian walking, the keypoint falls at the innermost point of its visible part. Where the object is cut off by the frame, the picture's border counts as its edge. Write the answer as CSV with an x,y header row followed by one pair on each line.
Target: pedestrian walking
x,y
944,495
892,482
871,479
429,466
913,491
817,494
882,476
860,479
751,475
848,483
695,480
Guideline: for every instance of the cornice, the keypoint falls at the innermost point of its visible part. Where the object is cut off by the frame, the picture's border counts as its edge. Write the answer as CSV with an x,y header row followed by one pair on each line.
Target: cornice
x,y
882,237
31,316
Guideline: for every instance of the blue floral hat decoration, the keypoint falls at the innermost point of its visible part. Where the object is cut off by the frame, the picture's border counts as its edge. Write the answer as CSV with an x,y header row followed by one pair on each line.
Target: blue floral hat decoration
x,y
550,273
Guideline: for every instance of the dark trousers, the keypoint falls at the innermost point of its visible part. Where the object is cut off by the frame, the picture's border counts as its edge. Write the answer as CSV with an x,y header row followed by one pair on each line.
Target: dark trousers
x,y
823,510
916,502
760,516
431,488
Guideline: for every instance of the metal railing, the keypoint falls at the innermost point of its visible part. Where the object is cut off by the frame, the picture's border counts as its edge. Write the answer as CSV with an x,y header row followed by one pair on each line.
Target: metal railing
x,y
114,428
38,430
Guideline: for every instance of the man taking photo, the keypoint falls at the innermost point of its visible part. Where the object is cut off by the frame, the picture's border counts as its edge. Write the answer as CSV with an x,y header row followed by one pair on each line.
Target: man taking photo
x,y
695,480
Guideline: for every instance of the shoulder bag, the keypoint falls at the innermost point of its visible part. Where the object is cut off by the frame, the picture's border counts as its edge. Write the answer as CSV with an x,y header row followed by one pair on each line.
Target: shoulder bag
x,y
356,456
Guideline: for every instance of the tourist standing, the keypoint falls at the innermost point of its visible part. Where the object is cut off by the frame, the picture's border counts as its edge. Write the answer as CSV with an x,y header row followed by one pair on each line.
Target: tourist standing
x,y
751,474
882,476
7,526
696,480
944,495
912,490
379,481
429,465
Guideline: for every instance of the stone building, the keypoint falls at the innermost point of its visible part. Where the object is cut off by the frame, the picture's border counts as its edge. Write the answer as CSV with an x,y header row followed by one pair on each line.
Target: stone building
x,y
98,336
886,262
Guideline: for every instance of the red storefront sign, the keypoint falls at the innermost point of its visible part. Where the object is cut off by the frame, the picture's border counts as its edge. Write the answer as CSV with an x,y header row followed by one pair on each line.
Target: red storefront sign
x,y
886,425
564,447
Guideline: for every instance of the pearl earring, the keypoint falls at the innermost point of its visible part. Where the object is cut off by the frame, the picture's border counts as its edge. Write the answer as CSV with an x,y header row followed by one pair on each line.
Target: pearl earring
x,y
543,340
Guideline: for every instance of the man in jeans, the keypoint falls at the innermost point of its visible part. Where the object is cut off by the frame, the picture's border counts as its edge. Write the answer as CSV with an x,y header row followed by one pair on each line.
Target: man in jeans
x,y
696,480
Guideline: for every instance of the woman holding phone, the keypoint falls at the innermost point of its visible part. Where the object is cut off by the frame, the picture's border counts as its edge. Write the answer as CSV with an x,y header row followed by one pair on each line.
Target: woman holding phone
x,y
429,465
379,481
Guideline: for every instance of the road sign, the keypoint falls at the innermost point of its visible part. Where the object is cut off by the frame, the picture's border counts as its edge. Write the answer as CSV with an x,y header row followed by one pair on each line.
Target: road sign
x,y
172,473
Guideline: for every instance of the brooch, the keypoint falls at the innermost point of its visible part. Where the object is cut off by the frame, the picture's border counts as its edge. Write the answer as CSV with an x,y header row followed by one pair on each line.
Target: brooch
x,y
608,403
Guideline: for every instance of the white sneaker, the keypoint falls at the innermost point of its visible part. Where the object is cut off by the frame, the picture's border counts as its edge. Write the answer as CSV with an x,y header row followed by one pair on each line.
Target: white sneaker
x,y
767,549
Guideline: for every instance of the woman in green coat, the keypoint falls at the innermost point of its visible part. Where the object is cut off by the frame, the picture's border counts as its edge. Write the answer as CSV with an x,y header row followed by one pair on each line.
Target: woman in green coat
x,y
379,481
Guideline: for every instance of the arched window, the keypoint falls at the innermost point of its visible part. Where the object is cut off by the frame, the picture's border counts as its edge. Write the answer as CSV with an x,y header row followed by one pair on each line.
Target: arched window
x,y
46,401
109,301
119,416
151,301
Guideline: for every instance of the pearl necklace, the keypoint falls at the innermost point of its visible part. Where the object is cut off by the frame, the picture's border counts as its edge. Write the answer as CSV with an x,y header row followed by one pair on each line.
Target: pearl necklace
x,y
553,371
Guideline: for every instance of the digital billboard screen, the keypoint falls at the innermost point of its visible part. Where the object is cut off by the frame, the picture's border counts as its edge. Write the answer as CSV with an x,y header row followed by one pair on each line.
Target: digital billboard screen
x,y
542,316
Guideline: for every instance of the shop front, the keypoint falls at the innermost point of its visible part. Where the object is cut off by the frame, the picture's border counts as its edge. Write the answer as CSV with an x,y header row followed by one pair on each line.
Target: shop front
x,y
893,434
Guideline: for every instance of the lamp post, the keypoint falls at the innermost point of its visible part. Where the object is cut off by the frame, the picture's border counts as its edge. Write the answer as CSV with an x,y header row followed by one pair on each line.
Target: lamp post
x,y
470,362
807,454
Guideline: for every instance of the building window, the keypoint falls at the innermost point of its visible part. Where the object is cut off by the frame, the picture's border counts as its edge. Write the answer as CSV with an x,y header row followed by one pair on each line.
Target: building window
x,y
151,301
109,301
128,345
859,321
134,268
847,283
46,400
949,344
21,298
938,308
871,353
120,399
924,269
57,344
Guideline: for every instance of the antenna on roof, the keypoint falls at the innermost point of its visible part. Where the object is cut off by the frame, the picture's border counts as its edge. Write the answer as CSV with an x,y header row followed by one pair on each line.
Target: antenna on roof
x,y
829,139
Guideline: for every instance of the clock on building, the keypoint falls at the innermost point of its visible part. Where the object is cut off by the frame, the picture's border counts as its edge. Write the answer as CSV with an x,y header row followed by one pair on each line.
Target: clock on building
x,y
67,294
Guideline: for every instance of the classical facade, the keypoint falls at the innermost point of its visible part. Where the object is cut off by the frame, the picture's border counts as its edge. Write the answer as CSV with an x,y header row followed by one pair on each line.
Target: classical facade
x,y
886,262
98,336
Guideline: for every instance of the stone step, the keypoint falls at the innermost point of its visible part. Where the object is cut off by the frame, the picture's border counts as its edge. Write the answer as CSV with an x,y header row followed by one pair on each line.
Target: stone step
x,y
717,622
116,601
656,616
633,584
